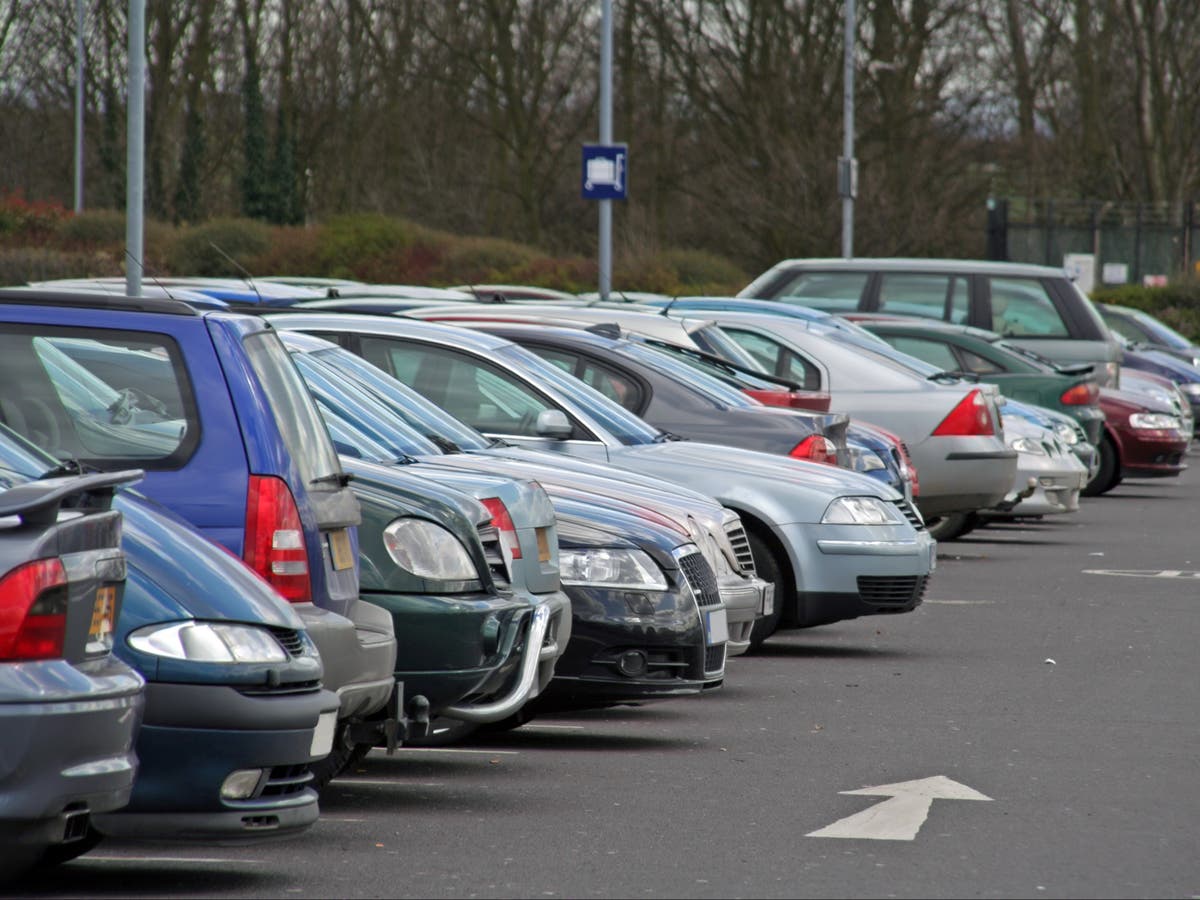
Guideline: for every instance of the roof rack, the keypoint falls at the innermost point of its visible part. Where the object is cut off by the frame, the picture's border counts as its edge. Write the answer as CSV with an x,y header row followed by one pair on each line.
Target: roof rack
x,y
94,300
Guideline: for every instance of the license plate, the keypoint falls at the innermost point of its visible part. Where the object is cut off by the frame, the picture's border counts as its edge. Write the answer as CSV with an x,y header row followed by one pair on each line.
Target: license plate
x,y
717,626
768,600
101,629
339,549
322,739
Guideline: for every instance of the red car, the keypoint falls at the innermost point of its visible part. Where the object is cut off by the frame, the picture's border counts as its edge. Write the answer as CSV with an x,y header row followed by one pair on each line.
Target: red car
x,y
1141,439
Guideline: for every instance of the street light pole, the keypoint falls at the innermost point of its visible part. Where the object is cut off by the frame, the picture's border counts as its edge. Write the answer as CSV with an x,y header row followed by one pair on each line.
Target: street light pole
x,y
606,138
848,165
134,156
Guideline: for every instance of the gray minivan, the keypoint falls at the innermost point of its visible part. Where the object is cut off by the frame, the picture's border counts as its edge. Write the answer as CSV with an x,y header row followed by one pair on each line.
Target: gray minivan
x,y
1038,307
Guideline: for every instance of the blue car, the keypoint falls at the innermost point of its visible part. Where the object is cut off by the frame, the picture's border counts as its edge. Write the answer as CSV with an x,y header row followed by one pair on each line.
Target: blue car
x,y
69,708
1159,362
209,404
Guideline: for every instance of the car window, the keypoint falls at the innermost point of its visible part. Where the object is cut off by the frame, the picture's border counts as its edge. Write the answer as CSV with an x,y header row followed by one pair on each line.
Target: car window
x,y
777,359
1124,327
824,290
936,353
973,362
145,415
293,408
1160,332
1021,306
921,294
609,382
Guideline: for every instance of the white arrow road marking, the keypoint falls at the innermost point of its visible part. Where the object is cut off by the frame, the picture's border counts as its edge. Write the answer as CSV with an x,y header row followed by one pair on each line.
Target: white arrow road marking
x,y
901,817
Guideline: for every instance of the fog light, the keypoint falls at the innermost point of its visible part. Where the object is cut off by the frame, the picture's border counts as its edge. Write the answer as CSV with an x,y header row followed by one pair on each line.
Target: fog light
x,y
241,785
632,663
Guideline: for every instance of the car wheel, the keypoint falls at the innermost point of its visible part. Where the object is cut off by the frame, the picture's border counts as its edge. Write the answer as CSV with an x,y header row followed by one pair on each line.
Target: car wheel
x,y
1108,475
62,853
947,528
768,570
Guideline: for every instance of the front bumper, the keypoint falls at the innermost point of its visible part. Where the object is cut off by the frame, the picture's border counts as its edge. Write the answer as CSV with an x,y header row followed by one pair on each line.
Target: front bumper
x,y
359,655
195,735
746,600
632,646
1153,454
70,753
847,571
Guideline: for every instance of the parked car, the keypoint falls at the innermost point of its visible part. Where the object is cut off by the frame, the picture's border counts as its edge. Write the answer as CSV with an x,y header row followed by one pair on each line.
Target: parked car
x,y
69,708
1021,374
1184,375
1162,391
836,544
230,441
1143,438
1143,330
1049,475
951,427
1034,306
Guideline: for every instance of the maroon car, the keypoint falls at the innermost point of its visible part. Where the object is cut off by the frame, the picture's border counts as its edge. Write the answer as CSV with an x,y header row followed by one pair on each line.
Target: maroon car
x,y
1142,439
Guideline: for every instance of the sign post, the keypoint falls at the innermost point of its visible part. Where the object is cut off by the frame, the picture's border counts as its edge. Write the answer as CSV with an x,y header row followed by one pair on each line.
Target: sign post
x,y
604,163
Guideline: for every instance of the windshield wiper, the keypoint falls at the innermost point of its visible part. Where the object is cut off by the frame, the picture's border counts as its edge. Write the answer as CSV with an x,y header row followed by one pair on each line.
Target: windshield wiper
x,y
952,376
341,479
68,467
498,442
664,437
444,444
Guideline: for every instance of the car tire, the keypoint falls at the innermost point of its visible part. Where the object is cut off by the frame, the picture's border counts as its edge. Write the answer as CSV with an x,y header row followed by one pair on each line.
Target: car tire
x,y
768,569
1108,475
325,770
949,527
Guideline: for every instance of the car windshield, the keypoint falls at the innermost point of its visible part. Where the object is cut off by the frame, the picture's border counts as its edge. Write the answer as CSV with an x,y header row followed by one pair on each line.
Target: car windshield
x,y
711,339
1164,333
690,376
726,372
622,424
403,401
876,347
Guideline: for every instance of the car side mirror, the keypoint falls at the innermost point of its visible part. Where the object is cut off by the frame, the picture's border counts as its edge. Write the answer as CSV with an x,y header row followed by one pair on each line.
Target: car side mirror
x,y
554,424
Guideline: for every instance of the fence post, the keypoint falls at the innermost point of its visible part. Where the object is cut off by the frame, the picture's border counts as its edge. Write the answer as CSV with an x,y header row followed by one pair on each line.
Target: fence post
x,y
1137,246
997,229
1049,234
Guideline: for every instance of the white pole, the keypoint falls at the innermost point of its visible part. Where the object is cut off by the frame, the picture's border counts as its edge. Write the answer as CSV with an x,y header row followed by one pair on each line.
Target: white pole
x,y
78,106
135,150
606,51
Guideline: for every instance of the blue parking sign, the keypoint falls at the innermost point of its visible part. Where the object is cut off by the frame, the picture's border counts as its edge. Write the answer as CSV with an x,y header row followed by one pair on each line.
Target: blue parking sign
x,y
604,170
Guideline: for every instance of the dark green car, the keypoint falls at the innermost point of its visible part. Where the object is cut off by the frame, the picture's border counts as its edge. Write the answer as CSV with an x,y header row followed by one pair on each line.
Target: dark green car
x,y
1019,373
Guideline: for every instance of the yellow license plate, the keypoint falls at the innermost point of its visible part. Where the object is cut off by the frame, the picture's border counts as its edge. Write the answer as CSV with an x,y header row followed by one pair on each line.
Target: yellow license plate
x,y
101,628
543,541
339,549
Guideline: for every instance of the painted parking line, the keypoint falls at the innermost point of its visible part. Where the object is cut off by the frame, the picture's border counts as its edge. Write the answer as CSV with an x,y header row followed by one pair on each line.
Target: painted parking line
x,y
538,726
960,602
217,860
1144,573
452,750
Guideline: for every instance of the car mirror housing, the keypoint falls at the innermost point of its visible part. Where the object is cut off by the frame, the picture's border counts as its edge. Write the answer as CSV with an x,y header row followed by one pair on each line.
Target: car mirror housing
x,y
553,423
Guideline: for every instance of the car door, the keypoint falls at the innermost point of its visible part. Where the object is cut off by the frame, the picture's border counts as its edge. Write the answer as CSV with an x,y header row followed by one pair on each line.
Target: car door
x,y
488,397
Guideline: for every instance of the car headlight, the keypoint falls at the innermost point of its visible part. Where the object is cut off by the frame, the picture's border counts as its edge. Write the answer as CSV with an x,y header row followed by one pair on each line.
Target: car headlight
x,y
863,459
1155,421
1191,388
861,511
1027,445
1067,434
611,568
428,550
209,642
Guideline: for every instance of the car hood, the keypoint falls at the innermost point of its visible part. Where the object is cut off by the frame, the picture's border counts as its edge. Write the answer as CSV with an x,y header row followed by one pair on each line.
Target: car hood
x,y
186,576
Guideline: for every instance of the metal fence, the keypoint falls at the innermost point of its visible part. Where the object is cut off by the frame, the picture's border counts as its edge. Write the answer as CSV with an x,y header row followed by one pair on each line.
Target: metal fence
x,y
1147,239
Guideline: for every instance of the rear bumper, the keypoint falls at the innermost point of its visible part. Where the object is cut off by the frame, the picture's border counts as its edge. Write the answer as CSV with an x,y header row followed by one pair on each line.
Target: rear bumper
x,y
72,750
195,736
359,655
962,474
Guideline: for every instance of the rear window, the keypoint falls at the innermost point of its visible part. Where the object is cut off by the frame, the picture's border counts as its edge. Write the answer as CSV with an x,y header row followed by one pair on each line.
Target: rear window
x,y
837,291
292,406
1022,306
104,398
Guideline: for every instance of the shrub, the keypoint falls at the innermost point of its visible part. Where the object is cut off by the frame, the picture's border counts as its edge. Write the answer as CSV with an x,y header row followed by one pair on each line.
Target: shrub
x,y
479,260
222,247
93,228
700,272
293,250
19,265
354,243
565,273
28,221
1177,305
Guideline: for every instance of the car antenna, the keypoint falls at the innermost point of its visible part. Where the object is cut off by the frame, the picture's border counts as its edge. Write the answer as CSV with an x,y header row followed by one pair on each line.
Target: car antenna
x,y
153,277
666,310
249,279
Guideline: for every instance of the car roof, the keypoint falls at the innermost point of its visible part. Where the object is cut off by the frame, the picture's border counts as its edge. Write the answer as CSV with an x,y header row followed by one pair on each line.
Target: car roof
x,y
598,340
91,299
918,264
915,323
466,338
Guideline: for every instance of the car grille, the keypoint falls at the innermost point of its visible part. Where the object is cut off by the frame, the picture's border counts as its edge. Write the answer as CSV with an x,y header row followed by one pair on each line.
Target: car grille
x,y
736,532
714,659
910,513
888,590
290,640
489,537
700,578
284,781
291,687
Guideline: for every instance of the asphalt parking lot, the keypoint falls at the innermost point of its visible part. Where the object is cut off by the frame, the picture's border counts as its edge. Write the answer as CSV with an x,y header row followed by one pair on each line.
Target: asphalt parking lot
x,y
1030,731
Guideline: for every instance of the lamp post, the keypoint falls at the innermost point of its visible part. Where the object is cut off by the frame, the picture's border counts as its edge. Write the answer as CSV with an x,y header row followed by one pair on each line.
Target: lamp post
x,y
606,53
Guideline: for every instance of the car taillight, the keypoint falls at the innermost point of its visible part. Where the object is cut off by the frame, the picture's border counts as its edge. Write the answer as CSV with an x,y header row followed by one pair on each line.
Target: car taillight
x,y
33,611
816,448
810,400
970,417
1086,393
275,538
504,524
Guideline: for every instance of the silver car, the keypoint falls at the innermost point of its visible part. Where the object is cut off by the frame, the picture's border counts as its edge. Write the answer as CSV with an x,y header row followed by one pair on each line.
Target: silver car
x,y
837,544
